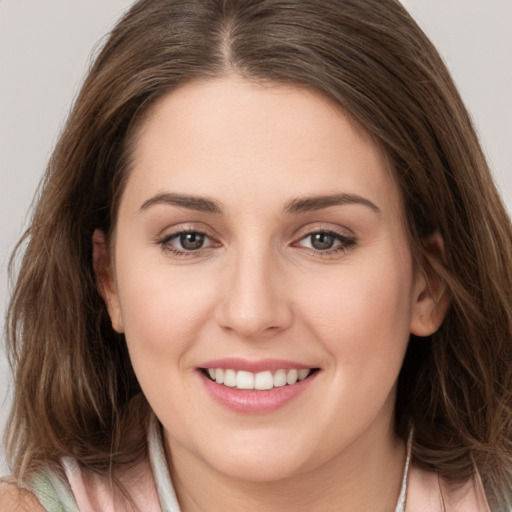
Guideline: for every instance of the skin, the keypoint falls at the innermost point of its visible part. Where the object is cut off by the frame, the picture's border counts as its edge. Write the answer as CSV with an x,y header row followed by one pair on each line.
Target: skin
x,y
15,499
259,288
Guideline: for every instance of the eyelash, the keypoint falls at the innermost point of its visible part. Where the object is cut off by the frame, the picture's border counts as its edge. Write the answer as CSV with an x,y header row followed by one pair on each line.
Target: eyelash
x,y
344,243
165,243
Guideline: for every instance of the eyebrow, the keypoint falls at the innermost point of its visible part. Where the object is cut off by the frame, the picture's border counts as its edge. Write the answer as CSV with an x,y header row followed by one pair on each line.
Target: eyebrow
x,y
298,205
313,203
200,204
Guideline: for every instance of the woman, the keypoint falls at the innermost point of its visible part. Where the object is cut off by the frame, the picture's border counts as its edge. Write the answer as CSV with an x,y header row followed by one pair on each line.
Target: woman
x,y
268,265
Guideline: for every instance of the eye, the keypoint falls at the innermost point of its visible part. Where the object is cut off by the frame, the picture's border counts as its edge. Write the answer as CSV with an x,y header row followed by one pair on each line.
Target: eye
x,y
326,242
186,242
322,241
191,241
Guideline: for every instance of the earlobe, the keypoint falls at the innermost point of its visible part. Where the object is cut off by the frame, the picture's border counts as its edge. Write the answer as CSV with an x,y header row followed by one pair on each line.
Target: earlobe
x,y
105,279
431,296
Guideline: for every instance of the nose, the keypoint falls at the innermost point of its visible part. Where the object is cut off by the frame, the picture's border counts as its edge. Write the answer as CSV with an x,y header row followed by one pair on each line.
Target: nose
x,y
254,300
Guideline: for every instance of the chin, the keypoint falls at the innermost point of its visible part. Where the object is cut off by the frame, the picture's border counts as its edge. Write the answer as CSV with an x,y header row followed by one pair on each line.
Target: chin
x,y
259,469
260,460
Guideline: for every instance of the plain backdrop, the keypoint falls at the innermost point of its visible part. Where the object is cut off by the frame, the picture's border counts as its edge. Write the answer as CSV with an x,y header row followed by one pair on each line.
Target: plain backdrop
x,y
45,49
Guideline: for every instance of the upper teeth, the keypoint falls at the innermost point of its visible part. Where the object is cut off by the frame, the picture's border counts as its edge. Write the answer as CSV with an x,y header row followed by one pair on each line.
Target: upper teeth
x,y
262,380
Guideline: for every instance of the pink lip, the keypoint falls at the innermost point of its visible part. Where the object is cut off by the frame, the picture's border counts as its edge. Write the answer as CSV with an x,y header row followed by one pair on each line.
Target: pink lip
x,y
253,401
236,363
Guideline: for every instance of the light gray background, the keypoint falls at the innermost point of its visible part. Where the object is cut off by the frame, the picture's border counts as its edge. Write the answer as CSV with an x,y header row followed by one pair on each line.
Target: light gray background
x,y
45,46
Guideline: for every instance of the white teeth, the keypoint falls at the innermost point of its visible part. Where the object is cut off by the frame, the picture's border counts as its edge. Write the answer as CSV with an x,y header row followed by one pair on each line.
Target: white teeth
x,y
260,381
263,380
244,380
291,377
230,378
219,376
280,378
302,374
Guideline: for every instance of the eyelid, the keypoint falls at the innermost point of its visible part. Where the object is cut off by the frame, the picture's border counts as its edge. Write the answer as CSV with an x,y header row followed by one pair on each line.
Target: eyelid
x,y
323,227
345,241
172,236
169,234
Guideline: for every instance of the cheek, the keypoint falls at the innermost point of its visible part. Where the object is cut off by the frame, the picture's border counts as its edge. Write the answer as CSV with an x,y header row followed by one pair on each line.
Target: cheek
x,y
364,309
163,308
163,316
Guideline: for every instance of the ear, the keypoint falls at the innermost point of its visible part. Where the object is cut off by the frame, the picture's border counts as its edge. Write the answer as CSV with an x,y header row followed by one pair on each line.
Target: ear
x,y
105,279
431,296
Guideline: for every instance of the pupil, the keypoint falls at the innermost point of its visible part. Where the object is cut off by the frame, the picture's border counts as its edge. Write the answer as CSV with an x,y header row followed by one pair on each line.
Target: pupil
x,y
191,241
322,241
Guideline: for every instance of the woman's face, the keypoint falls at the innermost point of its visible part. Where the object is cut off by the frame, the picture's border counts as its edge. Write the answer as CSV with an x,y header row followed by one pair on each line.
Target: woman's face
x,y
260,242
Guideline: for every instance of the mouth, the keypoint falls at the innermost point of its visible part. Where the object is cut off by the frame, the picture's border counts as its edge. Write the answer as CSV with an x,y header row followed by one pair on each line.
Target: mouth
x,y
260,381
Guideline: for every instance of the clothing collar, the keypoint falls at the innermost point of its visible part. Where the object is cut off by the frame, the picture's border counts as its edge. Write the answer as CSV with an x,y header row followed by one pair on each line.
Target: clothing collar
x,y
167,494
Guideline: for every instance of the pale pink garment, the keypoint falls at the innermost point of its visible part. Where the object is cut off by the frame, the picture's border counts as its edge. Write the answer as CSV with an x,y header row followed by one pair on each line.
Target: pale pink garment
x,y
150,487
94,493
424,494
427,493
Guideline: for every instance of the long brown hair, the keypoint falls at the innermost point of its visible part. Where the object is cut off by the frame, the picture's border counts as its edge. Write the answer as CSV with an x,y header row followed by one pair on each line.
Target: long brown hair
x,y
75,390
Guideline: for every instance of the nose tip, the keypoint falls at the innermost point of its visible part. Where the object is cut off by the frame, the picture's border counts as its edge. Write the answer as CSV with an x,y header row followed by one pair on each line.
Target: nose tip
x,y
254,303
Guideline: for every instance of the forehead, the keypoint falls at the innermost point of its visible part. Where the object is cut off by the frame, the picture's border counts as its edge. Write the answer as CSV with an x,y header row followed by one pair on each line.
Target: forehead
x,y
229,134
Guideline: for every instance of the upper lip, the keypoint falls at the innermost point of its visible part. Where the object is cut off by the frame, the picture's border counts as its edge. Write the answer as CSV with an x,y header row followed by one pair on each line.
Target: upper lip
x,y
254,366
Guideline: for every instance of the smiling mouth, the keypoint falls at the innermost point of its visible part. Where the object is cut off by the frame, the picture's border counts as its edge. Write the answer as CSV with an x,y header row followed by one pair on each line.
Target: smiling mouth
x,y
261,381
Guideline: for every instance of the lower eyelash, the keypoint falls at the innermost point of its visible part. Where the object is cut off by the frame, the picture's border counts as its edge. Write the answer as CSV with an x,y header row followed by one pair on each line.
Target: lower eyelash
x,y
345,243
180,252
348,244
175,252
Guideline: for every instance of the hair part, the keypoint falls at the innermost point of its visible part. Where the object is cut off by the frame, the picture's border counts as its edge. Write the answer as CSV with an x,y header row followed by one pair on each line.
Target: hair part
x,y
75,390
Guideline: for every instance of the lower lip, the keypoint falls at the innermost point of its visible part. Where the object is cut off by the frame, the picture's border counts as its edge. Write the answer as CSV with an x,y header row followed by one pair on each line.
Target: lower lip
x,y
252,401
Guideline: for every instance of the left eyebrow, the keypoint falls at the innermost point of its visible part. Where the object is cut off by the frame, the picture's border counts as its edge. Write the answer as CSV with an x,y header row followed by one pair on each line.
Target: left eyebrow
x,y
313,203
198,203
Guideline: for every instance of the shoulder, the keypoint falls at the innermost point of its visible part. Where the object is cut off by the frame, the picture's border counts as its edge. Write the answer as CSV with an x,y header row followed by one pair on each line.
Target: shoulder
x,y
468,497
427,492
15,499
44,489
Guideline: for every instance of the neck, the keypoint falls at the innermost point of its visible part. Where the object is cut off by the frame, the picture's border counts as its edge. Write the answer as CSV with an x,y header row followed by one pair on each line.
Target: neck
x,y
366,475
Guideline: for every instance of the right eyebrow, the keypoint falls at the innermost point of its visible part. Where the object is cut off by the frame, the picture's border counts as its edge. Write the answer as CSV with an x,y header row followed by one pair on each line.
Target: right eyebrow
x,y
312,203
198,203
